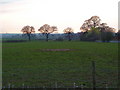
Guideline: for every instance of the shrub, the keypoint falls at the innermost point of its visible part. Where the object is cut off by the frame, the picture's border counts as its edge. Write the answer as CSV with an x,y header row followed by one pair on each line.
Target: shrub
x,y
91,35
59,39
106,36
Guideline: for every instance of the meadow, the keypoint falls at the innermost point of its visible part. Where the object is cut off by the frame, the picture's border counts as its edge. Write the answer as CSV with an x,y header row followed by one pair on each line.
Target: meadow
x,y
25,62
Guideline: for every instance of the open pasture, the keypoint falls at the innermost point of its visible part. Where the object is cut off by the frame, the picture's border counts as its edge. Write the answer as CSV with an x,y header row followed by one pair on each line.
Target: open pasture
x,y
39,63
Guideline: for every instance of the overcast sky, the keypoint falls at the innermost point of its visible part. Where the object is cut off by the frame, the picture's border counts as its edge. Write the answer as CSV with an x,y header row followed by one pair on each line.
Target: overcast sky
x,y
14,14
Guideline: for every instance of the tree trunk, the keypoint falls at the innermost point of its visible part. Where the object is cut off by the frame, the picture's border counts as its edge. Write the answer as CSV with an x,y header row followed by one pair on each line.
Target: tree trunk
x,y
94,24
80,37
69,37
94,75
29,36
47,37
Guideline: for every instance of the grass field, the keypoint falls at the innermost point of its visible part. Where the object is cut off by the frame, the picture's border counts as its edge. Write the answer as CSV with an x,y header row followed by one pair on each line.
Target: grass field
x,y
25,63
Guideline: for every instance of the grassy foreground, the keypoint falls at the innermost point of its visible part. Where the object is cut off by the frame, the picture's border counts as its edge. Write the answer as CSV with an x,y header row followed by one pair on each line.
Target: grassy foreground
x,y
25,63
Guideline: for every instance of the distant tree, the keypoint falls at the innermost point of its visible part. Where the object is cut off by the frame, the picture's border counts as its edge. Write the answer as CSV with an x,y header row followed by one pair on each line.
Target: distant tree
x,y
118,35
107,33
46,30
94,21
90,30
79,35
68,31
104,28
83,36
119,31
92,27
93,34
106,36
28,30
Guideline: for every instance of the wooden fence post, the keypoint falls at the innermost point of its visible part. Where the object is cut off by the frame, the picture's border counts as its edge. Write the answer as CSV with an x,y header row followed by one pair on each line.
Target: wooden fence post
x,y
9,85
23,85
55,84
74,85
106,85
12,86
93,75
81,86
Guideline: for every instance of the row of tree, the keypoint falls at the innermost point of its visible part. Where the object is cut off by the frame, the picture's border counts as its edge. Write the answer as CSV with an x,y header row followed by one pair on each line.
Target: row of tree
x,y
45,30
91,29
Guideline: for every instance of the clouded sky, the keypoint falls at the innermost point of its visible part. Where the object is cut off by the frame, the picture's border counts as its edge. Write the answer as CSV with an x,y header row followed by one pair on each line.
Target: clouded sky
x,y
14,14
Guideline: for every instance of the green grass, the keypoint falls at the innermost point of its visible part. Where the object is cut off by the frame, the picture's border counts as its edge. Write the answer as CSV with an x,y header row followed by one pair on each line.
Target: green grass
x,y
24,63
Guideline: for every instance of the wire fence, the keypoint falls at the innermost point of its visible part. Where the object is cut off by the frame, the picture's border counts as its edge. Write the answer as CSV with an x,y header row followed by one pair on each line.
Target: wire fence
x,y
68,86
56,85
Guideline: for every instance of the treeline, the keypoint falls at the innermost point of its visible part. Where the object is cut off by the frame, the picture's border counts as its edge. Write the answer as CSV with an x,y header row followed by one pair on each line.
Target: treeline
x,y
91,30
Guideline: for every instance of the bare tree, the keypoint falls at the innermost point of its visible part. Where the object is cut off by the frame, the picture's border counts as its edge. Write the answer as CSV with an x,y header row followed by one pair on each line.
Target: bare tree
x,y
46,30
68,31
94,21
104,28
28,30
92,27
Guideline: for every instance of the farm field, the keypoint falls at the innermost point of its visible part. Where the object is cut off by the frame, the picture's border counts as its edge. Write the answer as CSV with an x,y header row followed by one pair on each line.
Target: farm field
x,y
28,63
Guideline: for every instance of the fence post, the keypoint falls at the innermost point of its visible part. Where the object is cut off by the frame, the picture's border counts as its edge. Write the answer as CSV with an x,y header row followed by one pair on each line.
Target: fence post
x,y
106,85
3,87
23,85
9,85
81,86
74,84
55,84
12,86
93,75
44,88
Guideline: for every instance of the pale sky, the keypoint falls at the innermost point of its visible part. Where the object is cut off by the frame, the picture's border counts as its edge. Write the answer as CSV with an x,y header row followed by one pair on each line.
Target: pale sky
x,y
14,14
